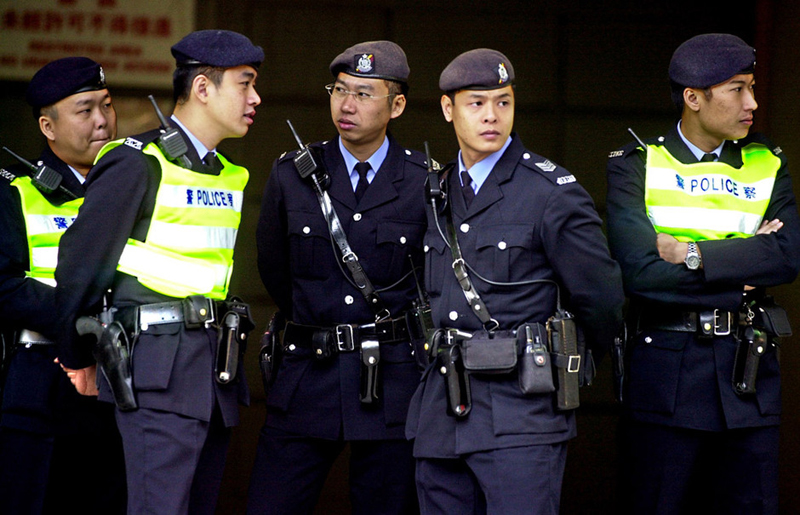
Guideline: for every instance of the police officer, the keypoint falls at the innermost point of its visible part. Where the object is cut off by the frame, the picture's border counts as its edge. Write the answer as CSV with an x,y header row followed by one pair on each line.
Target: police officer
x,y
46,429
316,406
158,231
526,231
700,220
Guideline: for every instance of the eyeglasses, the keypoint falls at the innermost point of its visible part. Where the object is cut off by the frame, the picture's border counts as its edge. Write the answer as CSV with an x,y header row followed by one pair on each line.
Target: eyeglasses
x,y
339,93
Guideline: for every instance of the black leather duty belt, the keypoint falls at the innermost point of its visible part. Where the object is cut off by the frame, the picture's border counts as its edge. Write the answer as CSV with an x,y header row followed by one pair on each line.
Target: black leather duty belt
x,y
192,312
709,323
346,337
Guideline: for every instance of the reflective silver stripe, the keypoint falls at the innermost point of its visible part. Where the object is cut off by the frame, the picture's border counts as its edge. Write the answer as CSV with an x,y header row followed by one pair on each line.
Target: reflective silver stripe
x,y
191,236
28,338
720,220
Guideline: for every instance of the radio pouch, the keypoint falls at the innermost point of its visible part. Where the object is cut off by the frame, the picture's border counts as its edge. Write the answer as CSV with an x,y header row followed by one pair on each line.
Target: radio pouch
x,y
771,318
562,333
535,368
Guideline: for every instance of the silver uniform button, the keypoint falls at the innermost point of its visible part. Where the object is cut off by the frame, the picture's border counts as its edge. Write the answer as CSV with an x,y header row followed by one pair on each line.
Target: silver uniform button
x,y
348,299
403,240
426,248
306,229
408,152
292,347
357,217
526,156
453,315
464,228
502,245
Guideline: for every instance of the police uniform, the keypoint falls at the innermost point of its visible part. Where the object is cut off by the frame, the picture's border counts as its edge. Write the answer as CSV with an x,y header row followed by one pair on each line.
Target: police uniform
x,y
529,220
44,423
690,443
176,441
314,407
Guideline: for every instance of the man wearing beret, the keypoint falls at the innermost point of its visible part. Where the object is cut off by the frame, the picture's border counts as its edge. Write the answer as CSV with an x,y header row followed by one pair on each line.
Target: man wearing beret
x,y
701,220
46,429
154,242
531,247
348,369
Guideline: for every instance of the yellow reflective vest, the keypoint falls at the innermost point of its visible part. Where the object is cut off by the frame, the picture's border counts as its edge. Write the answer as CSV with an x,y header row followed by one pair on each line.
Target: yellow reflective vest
x,y
188,249
709,200
45,223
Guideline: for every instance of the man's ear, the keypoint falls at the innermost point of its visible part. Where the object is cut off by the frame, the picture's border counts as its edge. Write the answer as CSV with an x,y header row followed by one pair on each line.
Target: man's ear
x,y
200,86
398,106
691,99
447,108
47,128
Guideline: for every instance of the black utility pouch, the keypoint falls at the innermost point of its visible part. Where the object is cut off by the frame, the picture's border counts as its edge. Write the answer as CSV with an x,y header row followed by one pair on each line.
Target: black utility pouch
x,y
771,318
562,333
322,344
420,328
195,311
535,369
484,355
271,346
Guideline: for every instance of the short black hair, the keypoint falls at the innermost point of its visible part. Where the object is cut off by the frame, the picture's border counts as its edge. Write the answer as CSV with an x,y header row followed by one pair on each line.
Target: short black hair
x,y
183,77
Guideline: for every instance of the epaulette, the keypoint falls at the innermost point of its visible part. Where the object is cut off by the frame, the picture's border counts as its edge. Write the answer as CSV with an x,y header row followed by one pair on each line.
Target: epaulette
x,y
142,140
418,158
758,137
289,154
5,174
554,173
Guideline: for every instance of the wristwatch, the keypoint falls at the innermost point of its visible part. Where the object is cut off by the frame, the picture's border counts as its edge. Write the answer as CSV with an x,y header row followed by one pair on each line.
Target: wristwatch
x,y
693,259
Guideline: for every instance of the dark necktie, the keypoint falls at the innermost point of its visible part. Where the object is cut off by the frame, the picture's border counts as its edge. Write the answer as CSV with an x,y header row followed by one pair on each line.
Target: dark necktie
x,y
466,187
361,187
212,162
707,158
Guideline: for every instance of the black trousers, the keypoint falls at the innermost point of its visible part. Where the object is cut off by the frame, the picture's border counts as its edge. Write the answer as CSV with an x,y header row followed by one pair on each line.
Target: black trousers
x,y
290,471
666,470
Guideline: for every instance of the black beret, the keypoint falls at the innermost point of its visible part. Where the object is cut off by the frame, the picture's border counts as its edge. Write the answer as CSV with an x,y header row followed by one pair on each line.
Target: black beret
x,y
64,77
373,60
481,68
219,48
710,59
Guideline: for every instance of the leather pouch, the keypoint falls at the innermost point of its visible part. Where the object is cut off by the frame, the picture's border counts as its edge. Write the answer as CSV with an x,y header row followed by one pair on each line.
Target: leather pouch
x,y
483,355
195,311
535,368
771,318
562,333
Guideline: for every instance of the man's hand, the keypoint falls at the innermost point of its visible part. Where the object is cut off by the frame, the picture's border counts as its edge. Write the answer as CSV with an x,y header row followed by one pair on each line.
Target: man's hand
x,y
670,249
84,380
769,226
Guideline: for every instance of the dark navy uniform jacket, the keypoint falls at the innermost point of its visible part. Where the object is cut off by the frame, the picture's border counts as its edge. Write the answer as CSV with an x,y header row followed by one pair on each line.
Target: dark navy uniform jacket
x,y
676,379
308,282
530,220
172,367
37,393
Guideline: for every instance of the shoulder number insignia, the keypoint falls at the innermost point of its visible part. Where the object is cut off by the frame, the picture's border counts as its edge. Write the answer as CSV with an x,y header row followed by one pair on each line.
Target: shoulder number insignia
x,y
7,175
133,143
616,153
546,165
566,179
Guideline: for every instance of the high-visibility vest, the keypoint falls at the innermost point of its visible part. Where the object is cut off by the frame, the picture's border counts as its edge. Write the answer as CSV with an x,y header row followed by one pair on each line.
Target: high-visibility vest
x,y
45,223
709,200
188,249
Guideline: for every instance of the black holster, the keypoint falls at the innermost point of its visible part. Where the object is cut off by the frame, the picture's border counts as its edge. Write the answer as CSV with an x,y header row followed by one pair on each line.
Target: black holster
x,y
450,363
111,351
752,345
420,328
370,359
234,327
269,357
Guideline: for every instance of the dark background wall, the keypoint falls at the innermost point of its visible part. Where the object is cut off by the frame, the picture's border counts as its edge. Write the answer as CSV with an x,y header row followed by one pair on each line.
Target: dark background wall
x,y
586,71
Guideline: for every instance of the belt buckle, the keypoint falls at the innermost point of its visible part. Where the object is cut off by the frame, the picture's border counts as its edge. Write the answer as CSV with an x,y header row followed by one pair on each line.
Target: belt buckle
x,y
722,330
345,338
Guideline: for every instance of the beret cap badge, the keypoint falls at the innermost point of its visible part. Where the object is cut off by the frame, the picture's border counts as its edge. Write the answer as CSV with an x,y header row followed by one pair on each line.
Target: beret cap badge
x,y
503,73
365,63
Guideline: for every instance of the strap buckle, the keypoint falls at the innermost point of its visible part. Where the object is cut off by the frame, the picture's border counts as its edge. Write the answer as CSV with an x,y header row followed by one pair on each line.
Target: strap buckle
x,y
345,338
574,364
